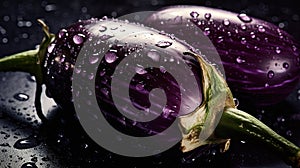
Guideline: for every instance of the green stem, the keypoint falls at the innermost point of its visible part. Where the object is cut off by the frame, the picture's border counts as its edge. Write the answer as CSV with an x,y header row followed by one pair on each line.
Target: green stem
x,y
236,122
26,61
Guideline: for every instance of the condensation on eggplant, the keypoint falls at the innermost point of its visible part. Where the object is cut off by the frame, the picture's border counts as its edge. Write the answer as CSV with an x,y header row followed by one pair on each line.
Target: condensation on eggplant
x,y
261,61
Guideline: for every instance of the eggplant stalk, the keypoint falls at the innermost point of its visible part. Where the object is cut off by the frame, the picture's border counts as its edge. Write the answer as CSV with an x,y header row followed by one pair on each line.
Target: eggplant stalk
x,y
236,123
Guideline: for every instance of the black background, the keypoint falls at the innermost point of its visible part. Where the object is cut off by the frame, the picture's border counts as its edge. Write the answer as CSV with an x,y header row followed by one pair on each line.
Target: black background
x,y
19,31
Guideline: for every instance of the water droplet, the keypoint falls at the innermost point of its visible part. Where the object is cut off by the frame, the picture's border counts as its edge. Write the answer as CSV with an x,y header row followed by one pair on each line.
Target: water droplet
x,y
194,14
280,119
62,33
104,91
261,28
26,143
78,38
105,37
240,60
277,50
91,76
110,57
140,69
172,59
267,85
93,59
139,87
294,48
29,165
243,142
207,16
226,22
243,40
164,44
21,96
289,133
270,74
166,112
244,18
102,73
153,55
206,31
243,27
51,47
162,69
236,102
220,39
102,28
252,34
285,65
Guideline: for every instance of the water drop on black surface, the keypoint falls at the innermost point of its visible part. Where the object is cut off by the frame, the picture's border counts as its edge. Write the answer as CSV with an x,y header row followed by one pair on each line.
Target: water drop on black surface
x,y
29,165
21,96
26,143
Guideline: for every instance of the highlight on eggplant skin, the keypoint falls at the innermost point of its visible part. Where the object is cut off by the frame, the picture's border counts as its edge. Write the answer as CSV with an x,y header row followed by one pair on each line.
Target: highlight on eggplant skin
x,y
261,61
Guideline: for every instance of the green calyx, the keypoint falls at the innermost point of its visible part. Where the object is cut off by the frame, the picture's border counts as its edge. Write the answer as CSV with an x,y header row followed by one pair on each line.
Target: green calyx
x,y
198,126
220,120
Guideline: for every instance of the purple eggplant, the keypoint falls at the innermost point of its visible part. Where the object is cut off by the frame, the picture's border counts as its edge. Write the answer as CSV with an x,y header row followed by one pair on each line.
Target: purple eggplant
x,y
261,61
53,64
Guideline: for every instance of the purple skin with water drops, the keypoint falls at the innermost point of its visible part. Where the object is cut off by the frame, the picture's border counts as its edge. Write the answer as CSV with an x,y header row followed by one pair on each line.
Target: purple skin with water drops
x,y
53,65
261,61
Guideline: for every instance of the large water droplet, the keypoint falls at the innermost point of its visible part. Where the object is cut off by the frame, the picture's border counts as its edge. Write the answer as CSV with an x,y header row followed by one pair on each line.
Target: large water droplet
x,y
207,16
285,65
153,55
29,165
261,28
102,28
194,14
244,18
164,44
78,38
110,57
21,96
226,22
206,31
271,74
140,69
25,143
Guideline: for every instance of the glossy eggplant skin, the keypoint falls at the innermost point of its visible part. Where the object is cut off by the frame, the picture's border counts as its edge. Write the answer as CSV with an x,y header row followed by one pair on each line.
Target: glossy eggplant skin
x,y
63,52
60,60
261,61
